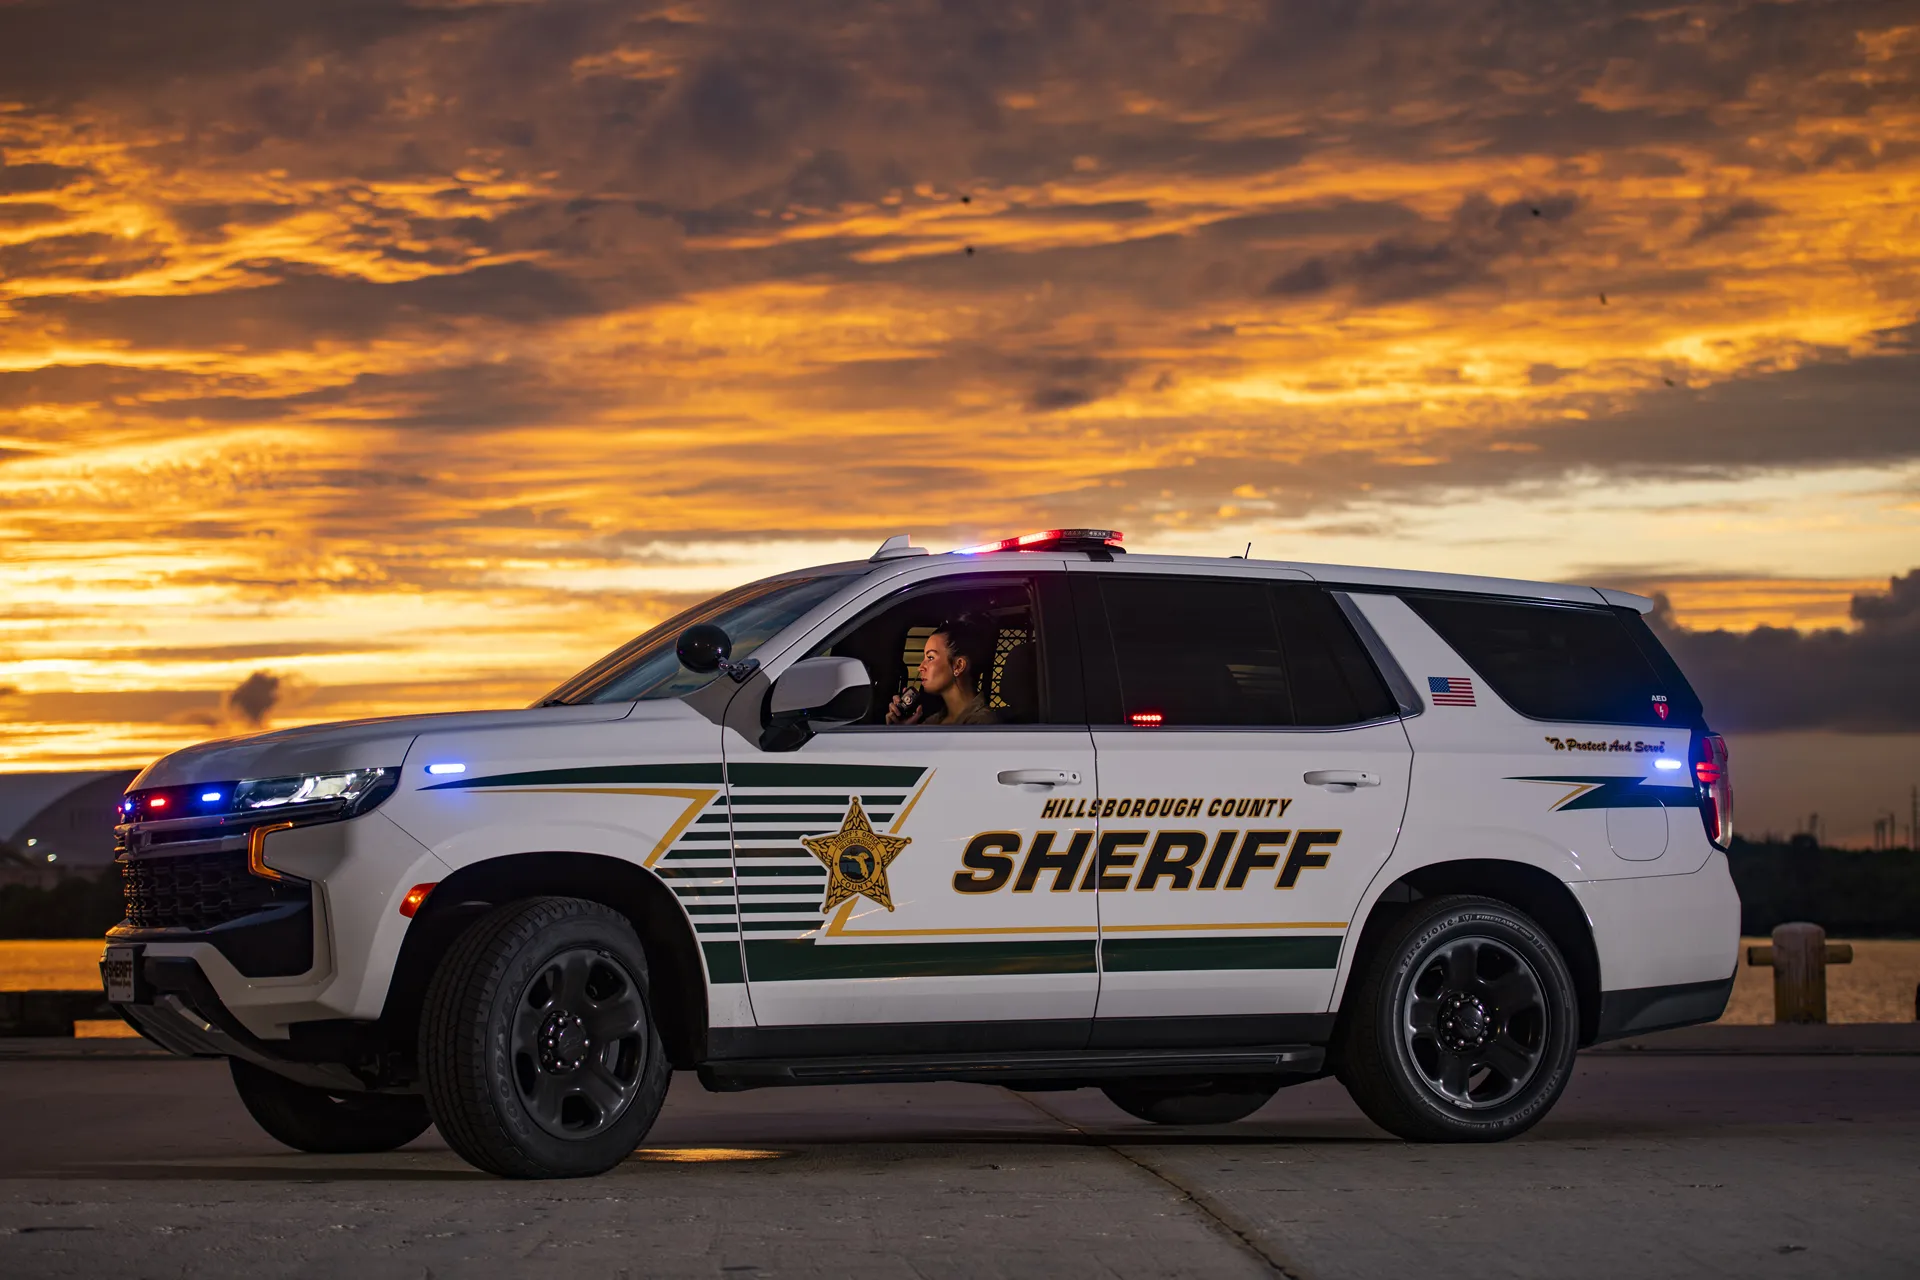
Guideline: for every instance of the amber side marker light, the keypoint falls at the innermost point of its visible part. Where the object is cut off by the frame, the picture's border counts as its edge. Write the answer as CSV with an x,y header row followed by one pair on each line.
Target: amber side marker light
x,y
257,850
416,896
702,1155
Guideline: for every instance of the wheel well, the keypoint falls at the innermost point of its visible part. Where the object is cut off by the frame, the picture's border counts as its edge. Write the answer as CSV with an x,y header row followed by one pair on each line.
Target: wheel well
x,y
1539,893
678,978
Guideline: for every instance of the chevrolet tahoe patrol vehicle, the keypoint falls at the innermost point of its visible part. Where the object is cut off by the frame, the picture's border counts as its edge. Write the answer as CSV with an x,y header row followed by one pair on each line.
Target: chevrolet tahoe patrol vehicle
x,y
1224,826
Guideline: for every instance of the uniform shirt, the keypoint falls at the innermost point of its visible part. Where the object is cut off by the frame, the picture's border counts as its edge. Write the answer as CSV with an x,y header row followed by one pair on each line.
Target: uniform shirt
x,y
975,712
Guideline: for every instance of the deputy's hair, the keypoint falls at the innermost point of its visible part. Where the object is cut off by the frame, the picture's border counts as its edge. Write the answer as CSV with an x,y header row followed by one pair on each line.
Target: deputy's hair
x,y
969,638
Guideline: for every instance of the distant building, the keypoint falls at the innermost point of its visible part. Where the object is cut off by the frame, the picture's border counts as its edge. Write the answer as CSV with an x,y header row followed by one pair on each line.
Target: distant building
x,y
57,824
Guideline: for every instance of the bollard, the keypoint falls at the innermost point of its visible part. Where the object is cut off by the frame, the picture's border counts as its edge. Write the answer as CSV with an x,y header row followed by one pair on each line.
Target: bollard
x,y
1800,955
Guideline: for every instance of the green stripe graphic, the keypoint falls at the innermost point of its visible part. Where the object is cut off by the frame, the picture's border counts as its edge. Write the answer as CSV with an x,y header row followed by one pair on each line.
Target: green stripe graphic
x,y
762,774
655,773
802,960
723,961
1613,791
757,774
1150,955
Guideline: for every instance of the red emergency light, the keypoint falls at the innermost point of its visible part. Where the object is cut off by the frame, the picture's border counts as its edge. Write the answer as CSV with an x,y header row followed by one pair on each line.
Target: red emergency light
x,y
1052,540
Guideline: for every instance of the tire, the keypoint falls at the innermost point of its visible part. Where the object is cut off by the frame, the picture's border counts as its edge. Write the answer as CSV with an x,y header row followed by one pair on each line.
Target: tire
x,y
310,1119
1464,1024
537,1042
1186,1100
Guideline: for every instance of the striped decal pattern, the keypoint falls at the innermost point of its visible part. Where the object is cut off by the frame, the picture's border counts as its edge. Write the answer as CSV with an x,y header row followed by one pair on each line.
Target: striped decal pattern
x,y
779,884
762,898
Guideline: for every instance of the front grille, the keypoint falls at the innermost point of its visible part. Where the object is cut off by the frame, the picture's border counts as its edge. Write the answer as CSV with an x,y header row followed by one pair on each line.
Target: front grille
x,y
199,890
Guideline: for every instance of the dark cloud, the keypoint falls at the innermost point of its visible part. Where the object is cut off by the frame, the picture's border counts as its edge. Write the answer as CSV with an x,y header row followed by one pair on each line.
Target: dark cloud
x,y
254,698
26,213
496,395
1729,216
116,706
1071,381
1863,679
1481,235
305,307
208,218
1830,411
90,256
24,179
245,652
61,50
71,384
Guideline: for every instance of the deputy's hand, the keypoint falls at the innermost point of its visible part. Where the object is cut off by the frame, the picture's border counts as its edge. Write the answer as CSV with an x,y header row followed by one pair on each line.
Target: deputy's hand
x,y
893,711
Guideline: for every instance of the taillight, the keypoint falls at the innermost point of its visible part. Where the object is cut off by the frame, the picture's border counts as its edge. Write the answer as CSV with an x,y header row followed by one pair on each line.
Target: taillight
x,y
1715,786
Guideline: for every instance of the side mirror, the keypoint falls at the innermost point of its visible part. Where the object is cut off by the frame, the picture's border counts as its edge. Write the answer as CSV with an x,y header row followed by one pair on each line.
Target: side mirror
x,y
822,691
703,647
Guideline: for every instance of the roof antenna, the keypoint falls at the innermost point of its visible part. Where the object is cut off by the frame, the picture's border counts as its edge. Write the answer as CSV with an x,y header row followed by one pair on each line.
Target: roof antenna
x,y
1248,553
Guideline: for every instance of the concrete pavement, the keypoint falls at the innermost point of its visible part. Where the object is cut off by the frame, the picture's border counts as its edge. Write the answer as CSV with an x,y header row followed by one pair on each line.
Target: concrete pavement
x,y
1653,1165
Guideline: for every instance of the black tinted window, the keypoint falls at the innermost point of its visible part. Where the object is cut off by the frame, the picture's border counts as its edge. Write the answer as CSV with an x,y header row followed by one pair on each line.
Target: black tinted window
x,y
1333,680
1220,651
1554,662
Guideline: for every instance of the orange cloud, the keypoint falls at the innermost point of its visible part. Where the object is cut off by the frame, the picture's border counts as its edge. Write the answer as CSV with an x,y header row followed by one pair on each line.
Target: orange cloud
x,y
423,354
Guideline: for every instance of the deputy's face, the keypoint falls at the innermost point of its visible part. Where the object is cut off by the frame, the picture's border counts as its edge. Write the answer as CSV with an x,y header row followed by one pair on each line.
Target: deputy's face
x,y
936,665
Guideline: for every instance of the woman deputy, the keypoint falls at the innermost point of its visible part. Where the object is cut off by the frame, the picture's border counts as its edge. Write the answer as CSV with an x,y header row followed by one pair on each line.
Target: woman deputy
x,y
953,669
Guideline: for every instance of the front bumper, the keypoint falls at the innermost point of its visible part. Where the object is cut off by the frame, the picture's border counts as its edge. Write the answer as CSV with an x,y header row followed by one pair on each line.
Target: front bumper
x,y
324,953
278,942
176,1007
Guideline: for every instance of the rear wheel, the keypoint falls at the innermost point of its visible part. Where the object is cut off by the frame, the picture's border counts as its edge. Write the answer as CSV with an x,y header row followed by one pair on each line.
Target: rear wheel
x,y
1185,1100
311,1119
537,1043
1464,1025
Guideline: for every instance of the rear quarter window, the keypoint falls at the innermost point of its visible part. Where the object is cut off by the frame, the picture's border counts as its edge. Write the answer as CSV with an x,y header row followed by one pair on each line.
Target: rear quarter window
x,y
1563,662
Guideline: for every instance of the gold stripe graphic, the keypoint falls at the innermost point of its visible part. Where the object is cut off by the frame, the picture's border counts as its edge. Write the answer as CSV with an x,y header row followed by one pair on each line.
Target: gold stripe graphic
x,y
697,797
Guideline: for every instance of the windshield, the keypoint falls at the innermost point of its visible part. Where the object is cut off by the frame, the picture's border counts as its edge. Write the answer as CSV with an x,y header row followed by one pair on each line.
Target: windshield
x,y
647,667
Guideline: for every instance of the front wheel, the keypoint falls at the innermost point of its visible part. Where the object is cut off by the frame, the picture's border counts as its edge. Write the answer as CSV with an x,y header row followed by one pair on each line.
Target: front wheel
x,y
537,1042
310,1119
1464,1024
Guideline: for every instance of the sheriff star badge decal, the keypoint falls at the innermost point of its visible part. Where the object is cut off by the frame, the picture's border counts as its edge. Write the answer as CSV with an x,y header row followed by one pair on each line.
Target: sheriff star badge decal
x,y
856,858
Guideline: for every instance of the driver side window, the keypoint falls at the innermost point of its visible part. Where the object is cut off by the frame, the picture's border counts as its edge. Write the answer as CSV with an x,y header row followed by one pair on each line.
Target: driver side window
x,y
996,619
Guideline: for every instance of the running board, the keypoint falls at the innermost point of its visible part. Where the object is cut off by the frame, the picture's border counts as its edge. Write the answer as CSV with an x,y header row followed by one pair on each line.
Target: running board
x,y
1051,1069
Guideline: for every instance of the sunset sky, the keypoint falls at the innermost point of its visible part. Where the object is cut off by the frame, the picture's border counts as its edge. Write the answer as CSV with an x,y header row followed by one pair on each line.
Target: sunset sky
x,y
361,358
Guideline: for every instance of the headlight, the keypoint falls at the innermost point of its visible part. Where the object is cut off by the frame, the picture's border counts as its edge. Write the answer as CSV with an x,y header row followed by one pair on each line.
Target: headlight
x,y
344,793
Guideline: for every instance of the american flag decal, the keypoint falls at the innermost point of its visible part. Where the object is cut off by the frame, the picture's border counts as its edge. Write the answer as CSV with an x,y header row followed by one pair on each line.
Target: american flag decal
x,y
1450,691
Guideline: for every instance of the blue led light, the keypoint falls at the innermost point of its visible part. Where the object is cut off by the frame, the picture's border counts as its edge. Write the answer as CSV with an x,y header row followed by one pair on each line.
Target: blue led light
x,y
446,768
209,797
1668,764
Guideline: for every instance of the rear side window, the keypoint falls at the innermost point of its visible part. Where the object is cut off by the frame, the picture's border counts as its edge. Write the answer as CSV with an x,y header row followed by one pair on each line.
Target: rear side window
x,y
1561,662
1333,679
1225,652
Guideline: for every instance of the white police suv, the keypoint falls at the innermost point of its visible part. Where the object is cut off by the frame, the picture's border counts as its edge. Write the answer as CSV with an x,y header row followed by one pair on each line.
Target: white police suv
x,y
1189,831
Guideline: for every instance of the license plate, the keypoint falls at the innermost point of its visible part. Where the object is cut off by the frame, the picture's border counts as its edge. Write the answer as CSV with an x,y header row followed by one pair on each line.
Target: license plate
x,y
117,969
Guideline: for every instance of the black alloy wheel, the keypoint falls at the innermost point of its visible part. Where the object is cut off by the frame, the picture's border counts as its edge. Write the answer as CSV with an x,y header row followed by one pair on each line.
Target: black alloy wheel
x,y
537,1043
1462,1025
579,1043
1474,1020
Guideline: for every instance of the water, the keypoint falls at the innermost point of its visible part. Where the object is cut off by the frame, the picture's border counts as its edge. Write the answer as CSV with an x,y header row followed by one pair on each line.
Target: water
x,y
67,964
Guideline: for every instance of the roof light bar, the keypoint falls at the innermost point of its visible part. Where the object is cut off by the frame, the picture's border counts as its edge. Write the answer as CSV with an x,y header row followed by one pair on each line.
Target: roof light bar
x,y
1050,540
